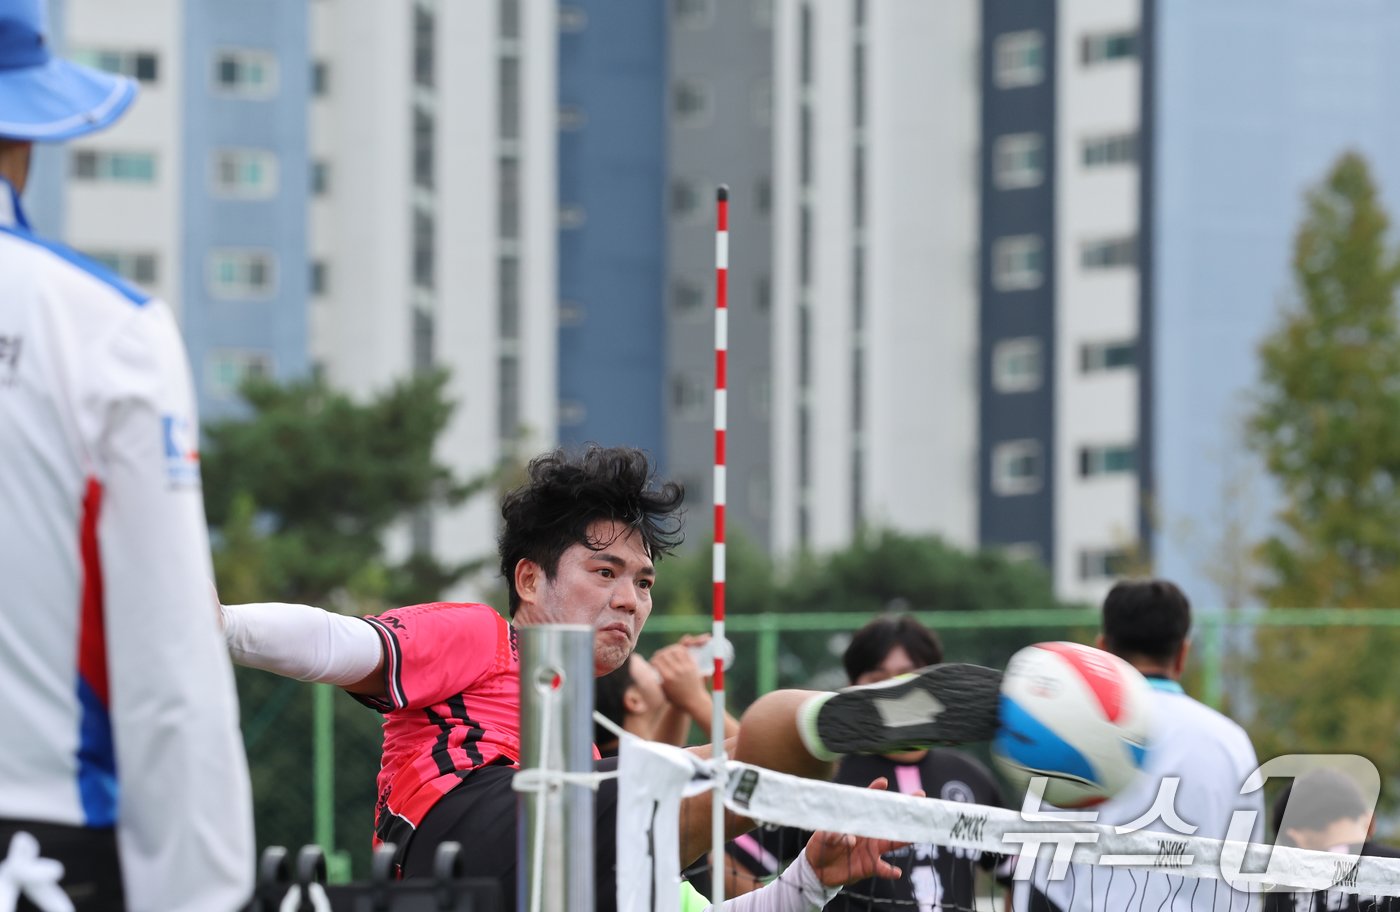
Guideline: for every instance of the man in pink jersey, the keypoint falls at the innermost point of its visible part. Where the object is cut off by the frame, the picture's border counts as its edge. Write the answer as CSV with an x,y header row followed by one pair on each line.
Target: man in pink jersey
x,y
578,545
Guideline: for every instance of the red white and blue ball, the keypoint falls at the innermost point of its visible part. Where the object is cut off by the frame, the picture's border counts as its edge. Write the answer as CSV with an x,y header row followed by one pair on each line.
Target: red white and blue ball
x,y
1077,716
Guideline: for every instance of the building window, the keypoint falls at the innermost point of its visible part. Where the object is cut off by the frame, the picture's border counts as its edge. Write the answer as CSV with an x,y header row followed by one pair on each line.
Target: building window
x,y
572,18
761,96
1103,356
424,339
1016,365
858,84
1113,149
1016,467
804,45
508,106
804,246
241,273
508,198
763,294
1106,46
685,198
572,117
424,129
1018,60
693,13
320,78
572,313
690,101
687,297
245,173
142,66
424,244
134,267
225,370
1104,563
118,167
573,413
319,271
510,18
424,63
508,297
320,177
1107,460
1018,161
248,74
1018,262
572,216
805,130
1110,253
690,397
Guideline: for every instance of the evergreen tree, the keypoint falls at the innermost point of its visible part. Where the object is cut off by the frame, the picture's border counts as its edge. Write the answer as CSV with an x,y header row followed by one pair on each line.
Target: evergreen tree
x,y
1327,424
301,494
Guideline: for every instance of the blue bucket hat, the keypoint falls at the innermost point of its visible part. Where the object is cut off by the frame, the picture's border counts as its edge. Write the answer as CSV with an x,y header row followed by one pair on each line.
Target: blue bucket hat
x,y
43,98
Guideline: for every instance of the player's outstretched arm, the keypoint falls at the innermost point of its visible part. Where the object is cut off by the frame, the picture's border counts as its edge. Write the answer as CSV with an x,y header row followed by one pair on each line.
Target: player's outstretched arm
x,y
306,643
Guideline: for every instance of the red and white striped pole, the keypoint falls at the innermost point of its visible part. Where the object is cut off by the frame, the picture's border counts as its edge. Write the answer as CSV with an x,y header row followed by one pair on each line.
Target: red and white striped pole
x,y
717,631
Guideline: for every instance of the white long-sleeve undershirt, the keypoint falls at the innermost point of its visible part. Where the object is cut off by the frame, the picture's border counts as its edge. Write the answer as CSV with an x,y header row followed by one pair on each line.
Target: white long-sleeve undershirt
x,y
301,642
797,889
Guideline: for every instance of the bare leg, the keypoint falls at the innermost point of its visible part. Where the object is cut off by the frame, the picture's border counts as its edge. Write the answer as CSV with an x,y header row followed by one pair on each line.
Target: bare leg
x,y
768,736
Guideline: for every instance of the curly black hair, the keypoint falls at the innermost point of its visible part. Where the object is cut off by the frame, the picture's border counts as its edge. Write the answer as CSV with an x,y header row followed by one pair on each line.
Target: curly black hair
x,y
567,492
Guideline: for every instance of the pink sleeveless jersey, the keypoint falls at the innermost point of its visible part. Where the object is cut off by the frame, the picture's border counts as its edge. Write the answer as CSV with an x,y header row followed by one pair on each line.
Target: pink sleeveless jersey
x,y
451,671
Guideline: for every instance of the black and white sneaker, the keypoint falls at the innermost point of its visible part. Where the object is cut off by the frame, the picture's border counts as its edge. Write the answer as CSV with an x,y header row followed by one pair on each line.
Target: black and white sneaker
x,y
940,704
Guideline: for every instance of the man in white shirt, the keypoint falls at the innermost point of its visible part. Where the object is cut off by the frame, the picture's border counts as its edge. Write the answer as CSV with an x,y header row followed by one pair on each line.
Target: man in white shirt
x,y
121,756
1197,751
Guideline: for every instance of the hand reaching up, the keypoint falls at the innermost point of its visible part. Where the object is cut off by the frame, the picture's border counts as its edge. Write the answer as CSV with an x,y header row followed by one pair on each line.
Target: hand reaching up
x,y
839,858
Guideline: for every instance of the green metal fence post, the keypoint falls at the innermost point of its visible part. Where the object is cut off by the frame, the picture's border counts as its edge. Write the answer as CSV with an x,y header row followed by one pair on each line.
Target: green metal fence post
x,y
768,653
323,782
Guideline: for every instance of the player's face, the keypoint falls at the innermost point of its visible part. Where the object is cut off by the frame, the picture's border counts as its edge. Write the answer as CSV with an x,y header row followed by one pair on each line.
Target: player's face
x,y
897,662
606,586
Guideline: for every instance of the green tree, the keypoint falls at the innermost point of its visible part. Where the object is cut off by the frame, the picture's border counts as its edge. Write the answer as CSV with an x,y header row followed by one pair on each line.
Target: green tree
x,y
1327,421
301,494
1327,425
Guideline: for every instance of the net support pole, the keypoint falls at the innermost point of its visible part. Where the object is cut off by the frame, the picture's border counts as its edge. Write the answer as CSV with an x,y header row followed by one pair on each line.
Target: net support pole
x,y
717,631
323,764
556,826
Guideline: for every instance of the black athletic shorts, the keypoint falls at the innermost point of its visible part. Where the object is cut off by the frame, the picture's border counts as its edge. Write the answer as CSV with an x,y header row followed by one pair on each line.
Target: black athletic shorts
x,y
480,813
92,874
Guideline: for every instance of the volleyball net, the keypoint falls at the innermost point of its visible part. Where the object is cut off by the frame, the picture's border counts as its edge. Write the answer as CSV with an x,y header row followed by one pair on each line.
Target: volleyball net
x,y
1025,860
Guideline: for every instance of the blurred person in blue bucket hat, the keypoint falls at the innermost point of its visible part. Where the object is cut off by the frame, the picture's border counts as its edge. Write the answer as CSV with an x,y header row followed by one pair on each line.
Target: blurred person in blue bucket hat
x,y
123,780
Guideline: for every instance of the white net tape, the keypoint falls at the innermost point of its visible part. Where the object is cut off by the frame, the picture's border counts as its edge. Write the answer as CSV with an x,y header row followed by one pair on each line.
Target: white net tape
x,y
654,777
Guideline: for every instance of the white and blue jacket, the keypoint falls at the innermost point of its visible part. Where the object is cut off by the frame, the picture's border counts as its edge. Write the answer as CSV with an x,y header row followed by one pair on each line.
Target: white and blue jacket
x,y
117,700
